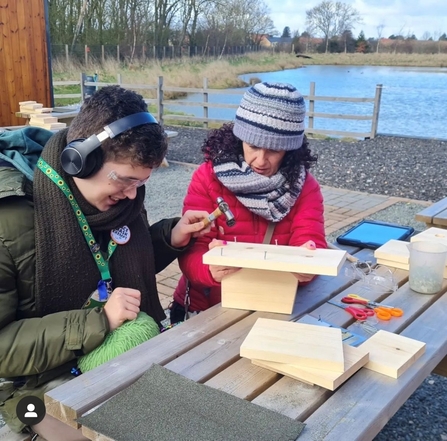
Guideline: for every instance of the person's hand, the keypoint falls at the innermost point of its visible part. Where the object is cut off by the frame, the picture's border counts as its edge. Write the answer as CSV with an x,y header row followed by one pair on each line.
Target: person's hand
x,y
190,225
123,304
310,245
219,272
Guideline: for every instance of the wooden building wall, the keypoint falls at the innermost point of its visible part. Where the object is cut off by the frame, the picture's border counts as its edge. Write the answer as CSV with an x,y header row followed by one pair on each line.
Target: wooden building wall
x,y
25,62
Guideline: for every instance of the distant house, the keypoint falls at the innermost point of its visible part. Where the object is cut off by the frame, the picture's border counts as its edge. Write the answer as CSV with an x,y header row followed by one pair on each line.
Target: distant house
x,y
270,41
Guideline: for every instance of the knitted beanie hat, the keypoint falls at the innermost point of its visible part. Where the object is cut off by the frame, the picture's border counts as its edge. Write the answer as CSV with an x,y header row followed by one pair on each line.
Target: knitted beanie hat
x,y
271,116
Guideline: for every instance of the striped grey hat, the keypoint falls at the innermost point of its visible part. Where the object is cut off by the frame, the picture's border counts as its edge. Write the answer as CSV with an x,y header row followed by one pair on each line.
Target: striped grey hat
x,y
271,116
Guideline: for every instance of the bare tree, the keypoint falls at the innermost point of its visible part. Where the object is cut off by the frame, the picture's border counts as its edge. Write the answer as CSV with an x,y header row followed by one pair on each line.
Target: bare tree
x,y
426,36
379,29
332,19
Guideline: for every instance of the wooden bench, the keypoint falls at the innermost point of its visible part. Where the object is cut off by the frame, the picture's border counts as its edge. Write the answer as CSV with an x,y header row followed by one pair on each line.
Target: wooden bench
x,y
435,215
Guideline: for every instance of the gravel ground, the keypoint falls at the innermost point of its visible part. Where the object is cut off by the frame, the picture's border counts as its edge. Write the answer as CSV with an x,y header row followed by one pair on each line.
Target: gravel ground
x,y
402,167
393,166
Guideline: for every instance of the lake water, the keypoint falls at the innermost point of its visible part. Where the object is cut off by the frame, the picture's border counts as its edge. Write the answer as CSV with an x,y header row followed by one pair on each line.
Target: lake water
x,y
414,100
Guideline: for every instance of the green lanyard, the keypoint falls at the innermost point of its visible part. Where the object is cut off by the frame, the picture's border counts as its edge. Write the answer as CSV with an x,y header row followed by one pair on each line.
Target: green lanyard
x,y
101,263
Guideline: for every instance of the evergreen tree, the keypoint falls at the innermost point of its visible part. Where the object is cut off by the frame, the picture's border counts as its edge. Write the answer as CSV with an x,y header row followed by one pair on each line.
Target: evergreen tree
x,y
286,32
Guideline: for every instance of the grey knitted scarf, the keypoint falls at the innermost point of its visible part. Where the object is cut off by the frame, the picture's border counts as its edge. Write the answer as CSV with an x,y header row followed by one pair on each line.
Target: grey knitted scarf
x,y
66,273
269,197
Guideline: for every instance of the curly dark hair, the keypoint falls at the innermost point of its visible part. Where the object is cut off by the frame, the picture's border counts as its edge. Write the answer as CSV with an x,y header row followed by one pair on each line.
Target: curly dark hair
x,y
144,145
222,146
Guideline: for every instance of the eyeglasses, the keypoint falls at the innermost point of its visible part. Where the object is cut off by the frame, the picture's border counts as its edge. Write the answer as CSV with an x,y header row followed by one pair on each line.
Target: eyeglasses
x,y
126,183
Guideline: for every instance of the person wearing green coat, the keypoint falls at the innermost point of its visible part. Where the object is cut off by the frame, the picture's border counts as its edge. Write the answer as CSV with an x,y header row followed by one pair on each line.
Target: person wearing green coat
x,y
78,257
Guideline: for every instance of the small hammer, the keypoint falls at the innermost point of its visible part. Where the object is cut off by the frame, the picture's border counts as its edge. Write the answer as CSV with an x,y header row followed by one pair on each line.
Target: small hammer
x,y
222,208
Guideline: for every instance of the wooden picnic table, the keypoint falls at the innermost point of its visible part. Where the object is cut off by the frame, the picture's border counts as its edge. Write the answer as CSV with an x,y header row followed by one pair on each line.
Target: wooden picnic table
x,y
206,349
435,215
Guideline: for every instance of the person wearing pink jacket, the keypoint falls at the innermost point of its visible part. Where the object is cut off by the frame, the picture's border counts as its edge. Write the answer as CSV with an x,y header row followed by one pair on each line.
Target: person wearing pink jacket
x,y
260,166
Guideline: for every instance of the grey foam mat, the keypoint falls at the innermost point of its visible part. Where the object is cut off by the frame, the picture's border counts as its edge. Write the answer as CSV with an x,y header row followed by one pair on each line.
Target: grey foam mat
x,y
165,406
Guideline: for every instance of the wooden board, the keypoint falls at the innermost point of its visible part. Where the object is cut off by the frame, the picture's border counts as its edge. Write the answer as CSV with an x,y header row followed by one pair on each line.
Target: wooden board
x,y
391,354
394,251
42,119
355,358
277,258
259,290
295,343
433,234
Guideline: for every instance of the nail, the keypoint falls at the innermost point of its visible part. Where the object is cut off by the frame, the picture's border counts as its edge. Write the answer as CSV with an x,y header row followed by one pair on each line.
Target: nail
x,y
224,242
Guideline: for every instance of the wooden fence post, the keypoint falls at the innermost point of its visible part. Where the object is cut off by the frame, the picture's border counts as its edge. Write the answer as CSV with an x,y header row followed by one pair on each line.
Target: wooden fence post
x,y
311,104
83,78
205,100
160,100
375,120
67,57
118,53
86,55
118,79
103,59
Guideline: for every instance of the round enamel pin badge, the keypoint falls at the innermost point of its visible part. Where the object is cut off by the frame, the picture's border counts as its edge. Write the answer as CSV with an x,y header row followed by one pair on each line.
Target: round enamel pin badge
x,y
121,235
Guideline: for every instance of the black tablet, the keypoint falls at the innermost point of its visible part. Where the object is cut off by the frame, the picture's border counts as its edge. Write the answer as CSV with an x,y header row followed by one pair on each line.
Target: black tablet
x,y
373,234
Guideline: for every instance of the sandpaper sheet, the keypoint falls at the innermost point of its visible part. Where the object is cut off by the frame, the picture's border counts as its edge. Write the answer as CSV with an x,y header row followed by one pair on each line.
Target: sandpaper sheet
x,y
165,406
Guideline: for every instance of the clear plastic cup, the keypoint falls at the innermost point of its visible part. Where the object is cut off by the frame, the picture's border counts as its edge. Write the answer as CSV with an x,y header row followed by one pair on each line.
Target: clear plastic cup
x,y
427,264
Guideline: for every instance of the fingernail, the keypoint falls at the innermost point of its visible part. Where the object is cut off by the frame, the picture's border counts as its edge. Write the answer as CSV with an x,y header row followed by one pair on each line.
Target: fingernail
x,y
312,245
224,242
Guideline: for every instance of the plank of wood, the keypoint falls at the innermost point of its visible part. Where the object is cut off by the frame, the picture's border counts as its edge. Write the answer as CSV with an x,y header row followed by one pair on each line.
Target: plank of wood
x,y
427,214
295,343
432,234
354,358
277,258
260,290
243,379
24,103
392,264
42,119
394,251
371,399
31,107
391,354
70,400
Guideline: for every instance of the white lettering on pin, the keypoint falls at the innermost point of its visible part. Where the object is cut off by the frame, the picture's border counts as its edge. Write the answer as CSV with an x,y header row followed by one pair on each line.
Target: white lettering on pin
x,y
121,235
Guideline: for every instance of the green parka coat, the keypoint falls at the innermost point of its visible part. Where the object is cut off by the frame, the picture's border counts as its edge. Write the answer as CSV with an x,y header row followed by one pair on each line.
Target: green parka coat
x,y
37,353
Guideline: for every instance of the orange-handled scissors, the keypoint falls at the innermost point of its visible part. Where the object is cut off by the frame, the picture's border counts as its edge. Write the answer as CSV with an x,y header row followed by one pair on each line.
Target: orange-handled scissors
x,y
360,314
384,312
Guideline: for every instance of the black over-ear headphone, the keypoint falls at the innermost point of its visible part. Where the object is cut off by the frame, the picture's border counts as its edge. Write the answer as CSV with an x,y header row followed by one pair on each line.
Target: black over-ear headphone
x,y
82,158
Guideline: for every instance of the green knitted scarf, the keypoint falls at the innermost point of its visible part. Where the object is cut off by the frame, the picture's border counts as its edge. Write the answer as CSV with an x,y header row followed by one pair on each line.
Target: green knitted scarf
x,y
66,273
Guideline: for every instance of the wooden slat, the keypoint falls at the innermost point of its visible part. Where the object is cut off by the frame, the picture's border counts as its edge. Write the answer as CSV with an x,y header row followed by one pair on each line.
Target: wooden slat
x,y
338,133
427,214
72,399
340,116
243,379
201,104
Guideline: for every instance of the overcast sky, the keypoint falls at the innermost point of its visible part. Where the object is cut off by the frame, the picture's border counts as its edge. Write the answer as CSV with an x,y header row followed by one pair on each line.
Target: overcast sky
x,y
398,16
